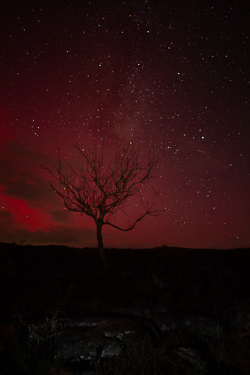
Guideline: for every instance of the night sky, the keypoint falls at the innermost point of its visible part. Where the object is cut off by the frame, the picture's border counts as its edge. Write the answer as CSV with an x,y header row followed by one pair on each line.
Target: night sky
x,y
171,74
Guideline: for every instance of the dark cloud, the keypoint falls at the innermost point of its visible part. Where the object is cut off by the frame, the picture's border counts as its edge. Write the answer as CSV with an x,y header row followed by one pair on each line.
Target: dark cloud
x,y
69,235
59,235
7,226
21,176
61,216
6,215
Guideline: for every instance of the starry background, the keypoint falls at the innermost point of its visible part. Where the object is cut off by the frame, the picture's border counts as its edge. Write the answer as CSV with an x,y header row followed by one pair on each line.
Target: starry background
x,y
171,74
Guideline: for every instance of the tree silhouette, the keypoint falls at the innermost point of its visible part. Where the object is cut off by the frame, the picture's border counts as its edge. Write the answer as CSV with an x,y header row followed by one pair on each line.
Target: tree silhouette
x,y
102,185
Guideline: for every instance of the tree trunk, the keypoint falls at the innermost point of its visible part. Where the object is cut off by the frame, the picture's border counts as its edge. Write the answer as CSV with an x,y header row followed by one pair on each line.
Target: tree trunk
x,y
102,255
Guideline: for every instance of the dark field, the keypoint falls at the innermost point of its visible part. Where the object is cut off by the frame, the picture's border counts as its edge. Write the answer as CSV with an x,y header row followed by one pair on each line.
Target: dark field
x,y
46,281
39,280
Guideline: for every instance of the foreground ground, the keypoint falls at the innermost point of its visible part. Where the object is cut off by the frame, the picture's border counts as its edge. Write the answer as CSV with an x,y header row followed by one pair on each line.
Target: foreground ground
x,y
51,282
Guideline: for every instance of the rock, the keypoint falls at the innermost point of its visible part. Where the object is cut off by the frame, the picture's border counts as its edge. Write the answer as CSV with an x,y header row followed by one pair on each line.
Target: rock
x,y
88,338
75,345
191,357
168,322
110,349
104,337
202,327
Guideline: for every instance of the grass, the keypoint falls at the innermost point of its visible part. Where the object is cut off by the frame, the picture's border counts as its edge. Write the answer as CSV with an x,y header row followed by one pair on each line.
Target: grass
x,y
225,356
57,283
144,358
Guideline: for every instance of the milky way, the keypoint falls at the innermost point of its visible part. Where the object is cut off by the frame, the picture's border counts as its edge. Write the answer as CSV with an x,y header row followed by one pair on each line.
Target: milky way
x,y
163,74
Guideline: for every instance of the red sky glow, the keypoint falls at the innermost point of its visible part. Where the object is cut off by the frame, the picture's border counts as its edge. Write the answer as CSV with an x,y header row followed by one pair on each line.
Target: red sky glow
x,y
169,74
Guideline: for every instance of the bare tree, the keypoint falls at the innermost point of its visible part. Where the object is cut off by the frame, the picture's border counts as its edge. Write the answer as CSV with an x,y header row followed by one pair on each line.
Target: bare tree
x,y
102,185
